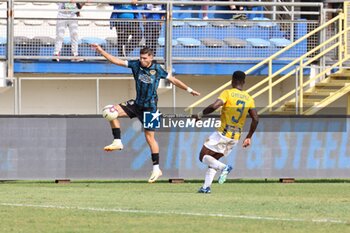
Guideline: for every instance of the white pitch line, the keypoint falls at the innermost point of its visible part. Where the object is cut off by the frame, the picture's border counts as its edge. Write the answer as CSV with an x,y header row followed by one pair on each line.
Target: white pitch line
x,y
118,210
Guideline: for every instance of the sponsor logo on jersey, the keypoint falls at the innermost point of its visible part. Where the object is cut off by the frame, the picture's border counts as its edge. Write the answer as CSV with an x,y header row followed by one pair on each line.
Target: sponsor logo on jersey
x,y
145,78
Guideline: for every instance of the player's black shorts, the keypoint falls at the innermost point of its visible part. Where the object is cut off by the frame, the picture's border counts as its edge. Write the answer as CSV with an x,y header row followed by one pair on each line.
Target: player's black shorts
x,y
133,110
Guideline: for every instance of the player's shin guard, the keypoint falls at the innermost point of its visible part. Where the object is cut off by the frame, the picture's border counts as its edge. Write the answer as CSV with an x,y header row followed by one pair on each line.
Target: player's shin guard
x,y
116,133
155,158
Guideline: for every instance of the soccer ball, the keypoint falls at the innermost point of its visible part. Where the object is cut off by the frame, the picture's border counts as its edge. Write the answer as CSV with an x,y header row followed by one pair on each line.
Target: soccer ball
x,y
109,112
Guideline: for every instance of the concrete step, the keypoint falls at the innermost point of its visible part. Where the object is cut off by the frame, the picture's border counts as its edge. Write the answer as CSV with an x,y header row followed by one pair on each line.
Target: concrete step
x,y
308,103
325,90
292,108
332,84
340,75
316,95
281,113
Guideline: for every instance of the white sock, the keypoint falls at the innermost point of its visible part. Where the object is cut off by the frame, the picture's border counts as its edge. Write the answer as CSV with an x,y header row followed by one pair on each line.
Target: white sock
x,y
213,163
156,167
209,177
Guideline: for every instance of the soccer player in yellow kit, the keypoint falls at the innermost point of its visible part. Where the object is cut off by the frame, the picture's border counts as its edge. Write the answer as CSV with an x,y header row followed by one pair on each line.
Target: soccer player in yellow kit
x,y
236,105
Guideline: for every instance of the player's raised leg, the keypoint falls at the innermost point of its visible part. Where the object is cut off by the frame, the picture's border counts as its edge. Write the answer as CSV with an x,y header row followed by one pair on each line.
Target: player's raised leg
x,y
111,113
153,144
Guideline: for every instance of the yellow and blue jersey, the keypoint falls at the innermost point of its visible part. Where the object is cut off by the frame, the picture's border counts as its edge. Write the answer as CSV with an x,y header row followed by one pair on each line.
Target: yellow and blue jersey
x,y
234,112
147,82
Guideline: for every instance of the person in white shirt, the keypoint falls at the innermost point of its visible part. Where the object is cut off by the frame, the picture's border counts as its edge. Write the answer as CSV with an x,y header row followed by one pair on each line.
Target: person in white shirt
x,y
67,17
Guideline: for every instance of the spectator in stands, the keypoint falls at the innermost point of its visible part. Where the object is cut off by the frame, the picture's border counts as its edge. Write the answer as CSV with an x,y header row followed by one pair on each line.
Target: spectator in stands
x,y
67,14
129,33
238,8
152,29
205,8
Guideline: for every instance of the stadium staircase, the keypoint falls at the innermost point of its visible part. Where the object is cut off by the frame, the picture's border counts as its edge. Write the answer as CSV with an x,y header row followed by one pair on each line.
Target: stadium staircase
x,y
311,94
321,95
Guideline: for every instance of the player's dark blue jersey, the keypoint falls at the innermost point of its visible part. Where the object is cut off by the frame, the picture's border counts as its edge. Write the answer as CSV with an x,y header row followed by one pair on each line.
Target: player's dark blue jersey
x,y
147,81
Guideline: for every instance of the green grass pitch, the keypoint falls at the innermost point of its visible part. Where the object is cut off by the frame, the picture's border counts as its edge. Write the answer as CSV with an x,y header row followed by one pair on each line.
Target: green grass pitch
x,y
163,207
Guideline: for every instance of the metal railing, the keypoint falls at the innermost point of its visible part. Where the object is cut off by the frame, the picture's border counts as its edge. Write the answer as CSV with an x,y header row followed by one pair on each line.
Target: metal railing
x,y
337,42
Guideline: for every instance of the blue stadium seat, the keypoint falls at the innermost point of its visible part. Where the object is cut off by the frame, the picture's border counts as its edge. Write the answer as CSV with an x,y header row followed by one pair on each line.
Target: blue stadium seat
x,y
189,47
258,43
262,48
266,29
213,47
218,29
236,48
194,22
280,42
161,41
243,30
264,24
212,42
244,24
221,23
195,29
179,31
235,42
189,42
177,23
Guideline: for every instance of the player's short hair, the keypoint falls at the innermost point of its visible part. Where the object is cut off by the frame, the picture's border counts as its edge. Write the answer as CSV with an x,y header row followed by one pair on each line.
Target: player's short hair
x,y
147,50
238,75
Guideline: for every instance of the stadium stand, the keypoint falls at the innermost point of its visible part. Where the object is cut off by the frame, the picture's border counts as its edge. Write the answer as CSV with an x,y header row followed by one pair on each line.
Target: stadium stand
x,y
217,38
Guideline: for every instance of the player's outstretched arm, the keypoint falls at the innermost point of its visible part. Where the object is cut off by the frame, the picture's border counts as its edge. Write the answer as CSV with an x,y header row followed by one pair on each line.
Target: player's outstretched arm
x,y
255,120
183,86
211,108
108,56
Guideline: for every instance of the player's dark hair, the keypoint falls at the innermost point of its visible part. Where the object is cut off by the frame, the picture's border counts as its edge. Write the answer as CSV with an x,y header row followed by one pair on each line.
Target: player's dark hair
x,y
147,50
239,76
